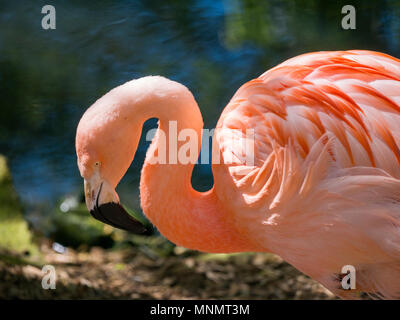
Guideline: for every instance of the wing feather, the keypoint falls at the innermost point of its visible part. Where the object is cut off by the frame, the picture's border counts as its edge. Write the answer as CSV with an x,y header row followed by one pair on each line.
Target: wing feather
x,y
326,165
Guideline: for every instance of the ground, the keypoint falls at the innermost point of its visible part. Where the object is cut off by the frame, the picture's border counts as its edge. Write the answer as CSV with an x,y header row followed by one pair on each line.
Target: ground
x,y
140,273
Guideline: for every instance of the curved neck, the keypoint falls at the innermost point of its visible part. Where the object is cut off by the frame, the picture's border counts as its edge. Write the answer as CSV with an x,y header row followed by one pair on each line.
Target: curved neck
x,y
186,217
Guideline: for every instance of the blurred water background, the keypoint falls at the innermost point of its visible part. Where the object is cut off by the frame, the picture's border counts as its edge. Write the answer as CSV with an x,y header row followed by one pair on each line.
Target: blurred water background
x,y
49,77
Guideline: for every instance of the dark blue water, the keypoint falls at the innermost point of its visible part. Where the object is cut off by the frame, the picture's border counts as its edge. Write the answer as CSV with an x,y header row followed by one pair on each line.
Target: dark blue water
x,y
49,77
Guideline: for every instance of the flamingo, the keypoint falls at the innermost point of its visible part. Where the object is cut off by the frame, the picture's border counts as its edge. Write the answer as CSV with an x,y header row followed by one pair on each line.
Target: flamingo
x,y
322,192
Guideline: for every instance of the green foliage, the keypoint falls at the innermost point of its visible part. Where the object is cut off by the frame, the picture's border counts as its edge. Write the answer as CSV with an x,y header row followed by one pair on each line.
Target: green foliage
x,y
14,231
76,228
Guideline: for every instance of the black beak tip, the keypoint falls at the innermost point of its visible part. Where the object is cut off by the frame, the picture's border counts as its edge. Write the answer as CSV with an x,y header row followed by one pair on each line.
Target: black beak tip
x,y
116,216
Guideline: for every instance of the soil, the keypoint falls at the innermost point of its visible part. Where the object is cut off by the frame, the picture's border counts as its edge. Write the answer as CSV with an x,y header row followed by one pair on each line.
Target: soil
x,y
138,273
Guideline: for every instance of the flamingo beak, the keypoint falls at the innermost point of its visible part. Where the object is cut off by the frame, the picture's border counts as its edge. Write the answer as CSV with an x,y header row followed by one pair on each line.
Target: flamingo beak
x,y
103,204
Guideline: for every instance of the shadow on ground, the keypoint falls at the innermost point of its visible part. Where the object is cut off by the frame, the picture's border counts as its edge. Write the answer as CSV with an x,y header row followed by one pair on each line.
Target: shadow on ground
x,y
139,273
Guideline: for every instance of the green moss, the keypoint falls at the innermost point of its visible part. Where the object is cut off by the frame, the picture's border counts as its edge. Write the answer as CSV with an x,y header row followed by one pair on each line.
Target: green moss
x,y
77,228
219,256
14,231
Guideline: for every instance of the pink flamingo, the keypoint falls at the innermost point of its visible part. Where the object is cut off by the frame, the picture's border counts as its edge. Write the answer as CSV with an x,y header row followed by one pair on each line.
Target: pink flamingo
x,y
323,191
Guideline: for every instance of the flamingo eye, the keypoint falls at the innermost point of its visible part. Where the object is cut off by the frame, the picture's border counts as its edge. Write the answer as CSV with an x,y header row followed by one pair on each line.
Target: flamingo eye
x,y
97,163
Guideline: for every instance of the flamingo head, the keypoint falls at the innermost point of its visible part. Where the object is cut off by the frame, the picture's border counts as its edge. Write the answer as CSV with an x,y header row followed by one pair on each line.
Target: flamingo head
x,y
105,149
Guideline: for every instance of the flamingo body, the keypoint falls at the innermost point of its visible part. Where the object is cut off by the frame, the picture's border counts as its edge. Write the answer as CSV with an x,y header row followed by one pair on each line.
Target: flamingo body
x,y
323,189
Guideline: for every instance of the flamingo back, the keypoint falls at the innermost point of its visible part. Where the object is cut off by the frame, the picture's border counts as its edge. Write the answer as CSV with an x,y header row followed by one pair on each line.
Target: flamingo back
x,y
322,186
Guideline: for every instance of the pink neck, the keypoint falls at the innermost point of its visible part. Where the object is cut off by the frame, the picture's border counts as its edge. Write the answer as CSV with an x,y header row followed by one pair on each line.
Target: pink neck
x,y
186,217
